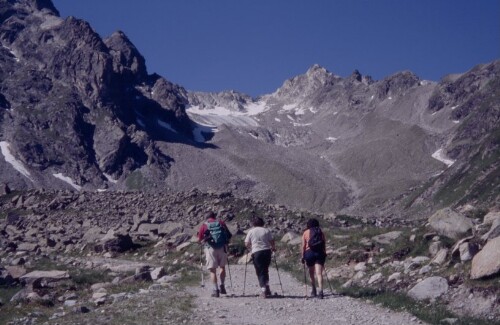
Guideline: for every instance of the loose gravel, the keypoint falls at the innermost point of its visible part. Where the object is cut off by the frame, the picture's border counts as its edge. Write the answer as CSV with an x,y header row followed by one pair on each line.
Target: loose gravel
x,y
292,308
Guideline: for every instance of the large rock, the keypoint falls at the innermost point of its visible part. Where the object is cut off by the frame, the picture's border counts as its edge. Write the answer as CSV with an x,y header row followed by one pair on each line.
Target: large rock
x,y
451,224
44,276
387,238
116,242
487,261
490,217
494,231
430,288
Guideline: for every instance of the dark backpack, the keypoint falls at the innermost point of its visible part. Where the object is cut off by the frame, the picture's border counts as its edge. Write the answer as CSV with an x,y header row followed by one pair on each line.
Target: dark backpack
x,y
316,242
216,235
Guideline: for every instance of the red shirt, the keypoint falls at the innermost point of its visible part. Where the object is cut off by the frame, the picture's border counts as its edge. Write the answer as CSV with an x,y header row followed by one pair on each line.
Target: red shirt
x,y
204,227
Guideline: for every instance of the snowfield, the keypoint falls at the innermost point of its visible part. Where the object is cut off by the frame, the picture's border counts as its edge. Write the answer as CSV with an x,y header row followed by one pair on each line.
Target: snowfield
x,y
67,180
18,165
441,156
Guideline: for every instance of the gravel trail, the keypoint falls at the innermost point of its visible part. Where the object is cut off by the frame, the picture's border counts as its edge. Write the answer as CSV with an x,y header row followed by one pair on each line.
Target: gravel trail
x,y
293,308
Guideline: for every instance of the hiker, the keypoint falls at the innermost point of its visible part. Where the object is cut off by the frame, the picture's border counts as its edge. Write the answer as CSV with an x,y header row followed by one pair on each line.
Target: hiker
x,y
215,236
314,255
259,241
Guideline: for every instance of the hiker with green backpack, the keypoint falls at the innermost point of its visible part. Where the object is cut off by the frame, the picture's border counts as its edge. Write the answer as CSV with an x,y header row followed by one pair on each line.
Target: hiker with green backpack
x,y
215,236
314,255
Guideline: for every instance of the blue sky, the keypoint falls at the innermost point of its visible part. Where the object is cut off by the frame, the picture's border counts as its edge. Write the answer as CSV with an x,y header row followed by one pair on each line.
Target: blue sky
x,y
253,46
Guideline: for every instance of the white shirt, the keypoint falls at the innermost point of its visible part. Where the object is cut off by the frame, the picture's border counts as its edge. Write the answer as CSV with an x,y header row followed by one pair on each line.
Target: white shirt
x,y
260,238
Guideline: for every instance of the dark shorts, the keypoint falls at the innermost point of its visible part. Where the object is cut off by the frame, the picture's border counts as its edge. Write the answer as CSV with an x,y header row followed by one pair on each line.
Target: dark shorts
x,y
312,258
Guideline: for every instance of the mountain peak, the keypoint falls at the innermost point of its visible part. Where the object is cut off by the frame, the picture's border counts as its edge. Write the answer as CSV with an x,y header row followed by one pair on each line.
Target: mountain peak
x,y
317,70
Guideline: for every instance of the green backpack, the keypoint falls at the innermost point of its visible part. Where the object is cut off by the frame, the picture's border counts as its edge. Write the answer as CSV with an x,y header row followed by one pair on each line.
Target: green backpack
x,y
216,235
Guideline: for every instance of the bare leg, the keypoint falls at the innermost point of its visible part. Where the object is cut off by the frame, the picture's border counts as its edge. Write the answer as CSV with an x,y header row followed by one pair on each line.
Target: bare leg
x,y
222,275
213,277
319,275
311,275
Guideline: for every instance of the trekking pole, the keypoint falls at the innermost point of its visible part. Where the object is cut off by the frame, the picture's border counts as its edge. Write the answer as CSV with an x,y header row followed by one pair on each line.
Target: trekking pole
x,y
201,266
305,278
328,280
229,270
277,271
245,277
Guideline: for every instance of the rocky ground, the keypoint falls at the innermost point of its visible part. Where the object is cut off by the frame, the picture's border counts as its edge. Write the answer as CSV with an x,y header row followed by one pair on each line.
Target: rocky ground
x,y
112,257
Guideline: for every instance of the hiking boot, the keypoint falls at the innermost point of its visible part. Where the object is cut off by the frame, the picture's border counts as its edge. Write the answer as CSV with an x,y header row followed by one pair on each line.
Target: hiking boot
x,y
215,294
320,295
313,292
268,291
222,289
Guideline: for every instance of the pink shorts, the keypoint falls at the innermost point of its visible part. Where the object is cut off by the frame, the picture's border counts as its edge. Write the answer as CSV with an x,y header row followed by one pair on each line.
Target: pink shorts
x,y
215,257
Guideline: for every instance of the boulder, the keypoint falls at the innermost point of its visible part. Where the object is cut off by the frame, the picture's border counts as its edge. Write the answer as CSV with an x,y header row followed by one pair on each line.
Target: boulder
x,y
440,257
494,231
116,242
451,224
487,261
490,217
16,271
169,229
429,288
289,236
44,276
375,278
158,273
387,238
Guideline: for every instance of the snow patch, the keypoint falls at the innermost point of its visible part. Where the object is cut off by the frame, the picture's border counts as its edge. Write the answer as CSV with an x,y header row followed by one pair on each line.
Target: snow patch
x,y
290,118
100,190
141,123
67,180
332,139
433,113
277,119
441,156
301,124
253,135
454,107
9,157
200,129
335,113
110,178
289,107
390,97
456,121
371,98
166,126
16,58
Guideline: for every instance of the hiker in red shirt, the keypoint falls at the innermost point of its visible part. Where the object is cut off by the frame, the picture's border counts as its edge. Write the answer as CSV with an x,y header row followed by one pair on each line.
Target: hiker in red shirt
x,y
215,236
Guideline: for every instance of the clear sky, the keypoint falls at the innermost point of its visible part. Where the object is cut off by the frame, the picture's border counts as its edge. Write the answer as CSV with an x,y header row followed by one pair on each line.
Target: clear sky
x,y
253,46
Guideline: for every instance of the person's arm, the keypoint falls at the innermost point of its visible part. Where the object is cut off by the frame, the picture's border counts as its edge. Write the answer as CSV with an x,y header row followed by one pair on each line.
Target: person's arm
x,y
304,242
248,241
201,233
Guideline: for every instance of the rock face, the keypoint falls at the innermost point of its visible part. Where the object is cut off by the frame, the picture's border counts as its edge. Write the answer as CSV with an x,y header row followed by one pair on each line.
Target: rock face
x,y
429,288
487,261
451,224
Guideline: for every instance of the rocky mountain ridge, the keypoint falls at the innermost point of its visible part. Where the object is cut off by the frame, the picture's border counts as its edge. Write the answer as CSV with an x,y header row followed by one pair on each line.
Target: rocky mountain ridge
x,y
82,112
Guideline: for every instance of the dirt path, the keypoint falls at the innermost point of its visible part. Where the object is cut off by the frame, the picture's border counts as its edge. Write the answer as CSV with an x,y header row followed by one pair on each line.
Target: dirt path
x,y
292,309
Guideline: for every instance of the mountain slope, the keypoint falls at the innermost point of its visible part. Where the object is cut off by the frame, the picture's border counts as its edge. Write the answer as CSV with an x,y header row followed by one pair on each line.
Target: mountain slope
x,y
83,113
